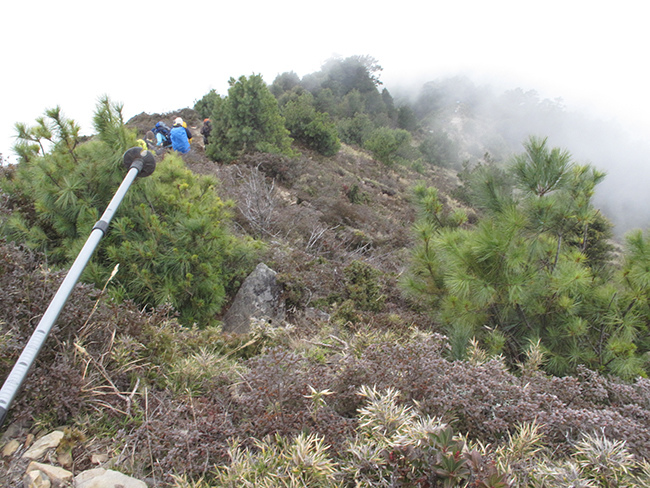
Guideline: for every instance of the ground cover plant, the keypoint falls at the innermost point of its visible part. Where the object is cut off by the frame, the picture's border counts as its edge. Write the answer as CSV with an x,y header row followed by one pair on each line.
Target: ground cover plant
x,y
277,407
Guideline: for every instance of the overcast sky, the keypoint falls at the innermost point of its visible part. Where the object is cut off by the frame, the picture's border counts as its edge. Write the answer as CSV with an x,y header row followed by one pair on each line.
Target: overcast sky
x,y
165,55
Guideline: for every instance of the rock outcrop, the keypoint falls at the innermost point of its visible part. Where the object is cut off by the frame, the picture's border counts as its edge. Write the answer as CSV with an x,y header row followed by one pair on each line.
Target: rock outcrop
x,y
259,297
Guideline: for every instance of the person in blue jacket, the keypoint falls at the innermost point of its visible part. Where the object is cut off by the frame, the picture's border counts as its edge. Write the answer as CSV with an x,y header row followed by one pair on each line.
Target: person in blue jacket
x,y
180,136
161,131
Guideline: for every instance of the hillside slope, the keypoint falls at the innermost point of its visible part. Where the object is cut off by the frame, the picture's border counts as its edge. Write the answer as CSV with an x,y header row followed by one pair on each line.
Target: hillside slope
x,y
318,214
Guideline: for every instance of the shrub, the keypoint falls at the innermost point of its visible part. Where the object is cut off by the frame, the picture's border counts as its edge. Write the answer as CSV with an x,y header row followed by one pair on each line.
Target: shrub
x,y
169,236
278,461
208,104
58,387
439,150
314,129
362,286
355,130
485,400
384,143
248,120
283,83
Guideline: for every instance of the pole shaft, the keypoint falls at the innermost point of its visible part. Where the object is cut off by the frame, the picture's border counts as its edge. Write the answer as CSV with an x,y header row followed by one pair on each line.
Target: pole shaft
x,y
17,376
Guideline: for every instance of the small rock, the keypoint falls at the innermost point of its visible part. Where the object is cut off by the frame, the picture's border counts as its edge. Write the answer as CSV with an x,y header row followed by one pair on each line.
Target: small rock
x,y
46,442
14,431
10,448
99,458
65,459
57,475
106,478
36,479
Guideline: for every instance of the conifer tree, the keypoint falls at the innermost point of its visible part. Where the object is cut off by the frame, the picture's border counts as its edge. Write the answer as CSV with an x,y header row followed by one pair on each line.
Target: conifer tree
x,y
314,129
208,104
169,236
522,274
248,120
385,143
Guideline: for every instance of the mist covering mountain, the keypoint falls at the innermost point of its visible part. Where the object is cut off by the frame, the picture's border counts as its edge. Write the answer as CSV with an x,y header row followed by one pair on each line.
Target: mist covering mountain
x,y
483,119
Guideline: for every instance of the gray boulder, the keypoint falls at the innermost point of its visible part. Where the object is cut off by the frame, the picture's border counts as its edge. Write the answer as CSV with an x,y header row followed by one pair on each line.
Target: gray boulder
x,y
259,297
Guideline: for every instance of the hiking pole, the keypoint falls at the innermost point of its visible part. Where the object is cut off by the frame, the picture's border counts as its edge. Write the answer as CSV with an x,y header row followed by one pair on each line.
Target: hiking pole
x,y
139,163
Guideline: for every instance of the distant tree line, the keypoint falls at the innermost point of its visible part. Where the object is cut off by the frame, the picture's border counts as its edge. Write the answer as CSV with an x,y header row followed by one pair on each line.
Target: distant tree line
x,y
340,103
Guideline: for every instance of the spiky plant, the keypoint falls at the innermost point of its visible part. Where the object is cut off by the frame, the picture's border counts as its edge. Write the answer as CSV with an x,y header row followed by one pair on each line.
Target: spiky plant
x,y
278,462
383,419
521,451
596,462
535,357
563,475
395,446
197,373
607,461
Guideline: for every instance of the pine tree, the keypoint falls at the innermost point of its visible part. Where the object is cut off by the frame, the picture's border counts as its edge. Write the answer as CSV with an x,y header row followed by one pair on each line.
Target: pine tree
x,y
248,120
522,273
169,236
307,125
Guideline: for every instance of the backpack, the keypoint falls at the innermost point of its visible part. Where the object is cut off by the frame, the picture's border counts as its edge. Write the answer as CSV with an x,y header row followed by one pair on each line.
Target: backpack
x,y
164,130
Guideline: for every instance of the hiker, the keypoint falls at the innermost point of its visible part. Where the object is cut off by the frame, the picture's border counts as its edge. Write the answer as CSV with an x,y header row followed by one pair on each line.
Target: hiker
x,y
205,130
150,139
143,144
162,132
180,136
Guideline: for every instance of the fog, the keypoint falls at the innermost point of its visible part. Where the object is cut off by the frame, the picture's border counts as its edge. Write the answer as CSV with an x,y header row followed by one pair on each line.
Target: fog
x,y
498,118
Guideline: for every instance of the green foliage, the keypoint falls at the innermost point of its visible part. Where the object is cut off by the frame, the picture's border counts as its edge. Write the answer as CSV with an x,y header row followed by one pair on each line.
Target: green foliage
x,y
208,104
169,235
325,101
172,246
424,278
356,130
314,129
351,104
283,83
62,193
363,287
389,106
248,120
52,129
345,88
523,272
406,118
385,143
539,170
358,73
487,186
